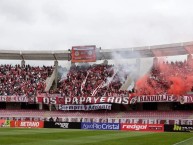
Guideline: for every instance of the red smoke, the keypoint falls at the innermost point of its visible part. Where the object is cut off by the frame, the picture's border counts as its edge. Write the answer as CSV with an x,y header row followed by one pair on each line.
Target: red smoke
x,y
167,78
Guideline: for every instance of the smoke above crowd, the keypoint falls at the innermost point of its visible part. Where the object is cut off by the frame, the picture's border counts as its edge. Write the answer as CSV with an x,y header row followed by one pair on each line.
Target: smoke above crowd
x,y
125,66
162,77
167,78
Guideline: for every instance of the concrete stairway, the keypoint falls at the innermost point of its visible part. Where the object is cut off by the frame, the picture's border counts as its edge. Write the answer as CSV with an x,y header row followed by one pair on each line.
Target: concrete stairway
x,y
50,80
127,83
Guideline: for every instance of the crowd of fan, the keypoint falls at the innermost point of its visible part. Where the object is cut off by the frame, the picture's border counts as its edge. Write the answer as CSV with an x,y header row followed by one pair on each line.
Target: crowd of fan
x,y
23,80
86,80
92,80
163,78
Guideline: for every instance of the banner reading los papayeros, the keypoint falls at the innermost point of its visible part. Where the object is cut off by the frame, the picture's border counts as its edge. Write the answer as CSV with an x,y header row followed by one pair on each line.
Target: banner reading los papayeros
x,y
86,107
143,127
96,100
27,124
80,100
83,53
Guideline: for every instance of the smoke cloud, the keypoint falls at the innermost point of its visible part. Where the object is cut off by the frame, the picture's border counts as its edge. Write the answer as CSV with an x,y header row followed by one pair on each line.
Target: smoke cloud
x,y
167,78
126,65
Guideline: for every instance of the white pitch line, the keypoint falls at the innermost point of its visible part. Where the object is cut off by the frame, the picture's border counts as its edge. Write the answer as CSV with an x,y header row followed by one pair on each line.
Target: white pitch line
x,y
183,141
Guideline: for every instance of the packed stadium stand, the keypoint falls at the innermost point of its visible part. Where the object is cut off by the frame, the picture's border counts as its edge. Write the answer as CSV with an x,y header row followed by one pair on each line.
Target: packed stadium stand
x,y
94,80
168,78
164,92
23,80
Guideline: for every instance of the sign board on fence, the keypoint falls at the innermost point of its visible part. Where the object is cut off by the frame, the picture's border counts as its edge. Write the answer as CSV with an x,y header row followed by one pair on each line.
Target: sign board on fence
x,y
64,125
27,124
4,123
142,127
178,128
100,126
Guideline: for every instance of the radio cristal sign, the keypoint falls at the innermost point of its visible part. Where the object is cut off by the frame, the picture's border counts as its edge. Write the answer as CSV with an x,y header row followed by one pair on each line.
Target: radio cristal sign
x,y
142,127
100,126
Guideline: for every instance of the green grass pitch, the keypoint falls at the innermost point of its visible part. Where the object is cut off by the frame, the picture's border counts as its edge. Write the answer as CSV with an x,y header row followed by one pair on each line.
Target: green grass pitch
x,y
18,136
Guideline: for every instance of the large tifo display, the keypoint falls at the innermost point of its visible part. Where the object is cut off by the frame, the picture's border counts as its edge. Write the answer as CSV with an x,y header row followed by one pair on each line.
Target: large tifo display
x,y
83,53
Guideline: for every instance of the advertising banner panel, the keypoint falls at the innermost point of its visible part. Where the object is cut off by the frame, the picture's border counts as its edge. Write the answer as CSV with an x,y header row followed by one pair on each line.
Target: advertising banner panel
x,y
27,124
4,123
100,126
142,127
64,125
178,128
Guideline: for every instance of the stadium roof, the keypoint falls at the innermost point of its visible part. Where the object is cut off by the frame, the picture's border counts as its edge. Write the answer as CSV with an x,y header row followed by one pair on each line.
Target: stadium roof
x,y
146,51
150,51
34,55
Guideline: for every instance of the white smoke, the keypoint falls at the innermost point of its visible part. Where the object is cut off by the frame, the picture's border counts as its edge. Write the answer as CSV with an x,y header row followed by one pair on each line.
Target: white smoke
x,y
63,70
126,63
125,66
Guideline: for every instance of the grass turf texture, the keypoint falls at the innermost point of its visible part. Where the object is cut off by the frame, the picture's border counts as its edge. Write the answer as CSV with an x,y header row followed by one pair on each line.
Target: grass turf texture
x,y
17,136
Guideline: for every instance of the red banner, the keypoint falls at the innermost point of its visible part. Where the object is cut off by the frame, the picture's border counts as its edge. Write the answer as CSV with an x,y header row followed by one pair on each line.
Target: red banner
x,y
83,53
115,98
86,107
27,124
13,98
143,127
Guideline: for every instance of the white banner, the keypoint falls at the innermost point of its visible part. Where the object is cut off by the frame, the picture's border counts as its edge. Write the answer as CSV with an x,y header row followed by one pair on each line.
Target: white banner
x,y
85,107
156,98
